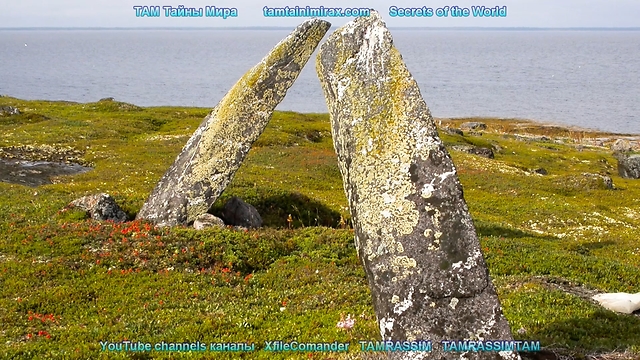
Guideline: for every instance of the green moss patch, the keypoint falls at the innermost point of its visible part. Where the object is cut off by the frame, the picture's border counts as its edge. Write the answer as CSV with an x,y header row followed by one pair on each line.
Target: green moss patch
x,y
68,282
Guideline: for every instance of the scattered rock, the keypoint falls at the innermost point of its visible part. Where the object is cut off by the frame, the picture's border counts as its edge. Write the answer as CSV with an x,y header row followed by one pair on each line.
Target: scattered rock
x,y
9,110
414,234
107,99
541,171
216,150
629,166
475,150
100,207
529,138
601,180
453,131
206,221
484,152
238,213
621,145
67,155
473,125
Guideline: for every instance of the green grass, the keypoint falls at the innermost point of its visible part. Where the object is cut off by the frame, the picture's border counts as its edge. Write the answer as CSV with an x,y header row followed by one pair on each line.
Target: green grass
x,y
67,283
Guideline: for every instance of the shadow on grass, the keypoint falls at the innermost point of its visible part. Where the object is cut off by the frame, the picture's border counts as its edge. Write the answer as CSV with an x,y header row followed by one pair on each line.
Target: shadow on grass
x,y
586,248
275,211
492,229
594,245
601,331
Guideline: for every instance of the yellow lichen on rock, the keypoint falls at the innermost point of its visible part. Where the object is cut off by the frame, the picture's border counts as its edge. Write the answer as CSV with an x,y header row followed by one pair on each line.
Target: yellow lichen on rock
x,y
217,148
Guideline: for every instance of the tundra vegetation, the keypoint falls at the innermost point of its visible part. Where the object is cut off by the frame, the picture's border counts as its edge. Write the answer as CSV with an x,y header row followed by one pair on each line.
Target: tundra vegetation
x,y
68,282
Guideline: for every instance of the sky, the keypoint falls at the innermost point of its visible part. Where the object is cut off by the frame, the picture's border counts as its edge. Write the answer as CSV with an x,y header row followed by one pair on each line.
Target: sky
x,y
121,13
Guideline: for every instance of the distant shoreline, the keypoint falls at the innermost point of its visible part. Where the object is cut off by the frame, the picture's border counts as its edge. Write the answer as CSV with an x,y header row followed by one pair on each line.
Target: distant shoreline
x,y
445,121
542,124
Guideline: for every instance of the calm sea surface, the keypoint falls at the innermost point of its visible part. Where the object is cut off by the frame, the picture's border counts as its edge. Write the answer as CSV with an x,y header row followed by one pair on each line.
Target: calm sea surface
x,y
583,78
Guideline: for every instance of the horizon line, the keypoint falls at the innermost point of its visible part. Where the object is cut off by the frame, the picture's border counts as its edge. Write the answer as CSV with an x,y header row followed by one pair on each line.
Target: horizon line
x,y
333,27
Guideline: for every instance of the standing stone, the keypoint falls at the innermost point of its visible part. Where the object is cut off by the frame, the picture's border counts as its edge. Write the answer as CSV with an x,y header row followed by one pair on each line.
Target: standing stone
x,y
413,230
216,150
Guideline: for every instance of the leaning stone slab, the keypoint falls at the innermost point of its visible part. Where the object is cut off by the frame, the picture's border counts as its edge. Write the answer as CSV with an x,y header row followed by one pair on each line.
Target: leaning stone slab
x,y
216,150
413,230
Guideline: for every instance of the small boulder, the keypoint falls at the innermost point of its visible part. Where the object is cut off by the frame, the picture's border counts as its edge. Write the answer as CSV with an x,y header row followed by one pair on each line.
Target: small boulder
x,y
475,150
480,151
601,180
621,145
473,125
608,182
9,110
452,131
100,207
206,221
584,182
629,166
238,213
541,171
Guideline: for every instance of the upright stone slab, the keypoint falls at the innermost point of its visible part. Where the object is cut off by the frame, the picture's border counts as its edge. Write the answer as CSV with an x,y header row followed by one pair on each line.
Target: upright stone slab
x,y
216,150
413,230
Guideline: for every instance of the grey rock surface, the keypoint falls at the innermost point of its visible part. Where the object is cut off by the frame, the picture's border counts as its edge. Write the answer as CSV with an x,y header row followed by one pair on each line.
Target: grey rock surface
x,y
238,213
100,207
473,125
452,131
621,145
9,110
475,150
413,231
601,180
206,221
216,150
629,166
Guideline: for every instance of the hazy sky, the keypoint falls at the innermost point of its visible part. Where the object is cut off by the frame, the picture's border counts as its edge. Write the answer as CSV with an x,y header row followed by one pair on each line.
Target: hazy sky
x,y
120,13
